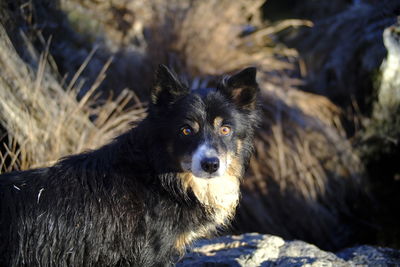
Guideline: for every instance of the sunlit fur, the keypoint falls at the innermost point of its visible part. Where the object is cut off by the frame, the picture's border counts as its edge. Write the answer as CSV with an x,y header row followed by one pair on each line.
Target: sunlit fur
x,y
130,203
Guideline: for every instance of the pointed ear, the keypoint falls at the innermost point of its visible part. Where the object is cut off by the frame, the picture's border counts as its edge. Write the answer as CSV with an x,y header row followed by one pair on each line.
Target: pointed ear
x,y
242,88
167,88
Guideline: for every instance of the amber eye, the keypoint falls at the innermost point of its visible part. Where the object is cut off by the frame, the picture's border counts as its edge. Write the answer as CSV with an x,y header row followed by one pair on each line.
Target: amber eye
x,y
224,130
186,131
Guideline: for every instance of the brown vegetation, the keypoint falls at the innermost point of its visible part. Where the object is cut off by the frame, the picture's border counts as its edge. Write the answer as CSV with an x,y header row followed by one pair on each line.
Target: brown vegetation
x,y
41,116
304,168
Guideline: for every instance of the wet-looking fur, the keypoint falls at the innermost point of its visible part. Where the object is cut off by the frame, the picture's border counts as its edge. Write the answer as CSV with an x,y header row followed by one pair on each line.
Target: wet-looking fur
x,y
141,199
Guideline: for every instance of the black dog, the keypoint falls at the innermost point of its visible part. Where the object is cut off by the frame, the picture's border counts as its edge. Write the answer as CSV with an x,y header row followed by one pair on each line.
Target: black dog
x,y
141,199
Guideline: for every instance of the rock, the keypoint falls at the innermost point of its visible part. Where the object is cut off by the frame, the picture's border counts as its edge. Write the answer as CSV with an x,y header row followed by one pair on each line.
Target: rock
x,y
389,91
343,52
378,144
266,250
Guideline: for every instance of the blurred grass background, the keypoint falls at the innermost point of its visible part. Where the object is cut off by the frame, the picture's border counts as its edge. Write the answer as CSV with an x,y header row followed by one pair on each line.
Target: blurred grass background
x,y
75,73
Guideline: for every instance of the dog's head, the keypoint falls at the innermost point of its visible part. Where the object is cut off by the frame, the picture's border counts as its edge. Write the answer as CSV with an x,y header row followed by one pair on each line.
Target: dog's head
x,y
202,140
206,132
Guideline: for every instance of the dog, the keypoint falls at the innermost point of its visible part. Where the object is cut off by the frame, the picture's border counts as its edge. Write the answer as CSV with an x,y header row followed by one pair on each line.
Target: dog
x,y
143,198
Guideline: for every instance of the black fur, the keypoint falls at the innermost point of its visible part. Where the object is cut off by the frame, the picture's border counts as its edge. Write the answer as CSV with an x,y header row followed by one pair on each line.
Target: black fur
x,y
123,204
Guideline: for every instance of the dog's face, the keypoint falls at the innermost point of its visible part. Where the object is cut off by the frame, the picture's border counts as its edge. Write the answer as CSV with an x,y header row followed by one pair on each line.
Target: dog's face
x,y
206,132
208,136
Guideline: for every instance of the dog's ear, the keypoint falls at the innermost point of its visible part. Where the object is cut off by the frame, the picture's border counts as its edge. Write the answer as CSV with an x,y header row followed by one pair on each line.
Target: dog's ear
x,y
167,88
241,88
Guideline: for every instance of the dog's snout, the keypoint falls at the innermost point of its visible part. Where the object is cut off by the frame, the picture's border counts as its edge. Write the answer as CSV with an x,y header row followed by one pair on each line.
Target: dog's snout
x,y
210,165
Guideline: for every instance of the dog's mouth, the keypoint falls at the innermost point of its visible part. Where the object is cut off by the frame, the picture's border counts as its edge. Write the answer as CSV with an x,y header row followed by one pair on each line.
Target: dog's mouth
x,y
203,175
186,167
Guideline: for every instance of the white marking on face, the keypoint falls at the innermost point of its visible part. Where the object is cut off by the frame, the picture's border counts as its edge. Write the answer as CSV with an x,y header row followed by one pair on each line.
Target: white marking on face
x,y
206,151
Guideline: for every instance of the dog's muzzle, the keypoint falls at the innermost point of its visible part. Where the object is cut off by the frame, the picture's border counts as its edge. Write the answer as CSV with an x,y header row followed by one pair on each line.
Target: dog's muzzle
x,y
205,162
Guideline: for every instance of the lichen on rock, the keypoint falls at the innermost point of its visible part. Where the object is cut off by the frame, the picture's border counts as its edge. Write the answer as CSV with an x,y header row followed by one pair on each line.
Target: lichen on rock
x,y
266,250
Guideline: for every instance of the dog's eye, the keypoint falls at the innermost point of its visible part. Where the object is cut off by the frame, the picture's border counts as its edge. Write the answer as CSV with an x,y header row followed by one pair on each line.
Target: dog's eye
x,y
187,130
224,130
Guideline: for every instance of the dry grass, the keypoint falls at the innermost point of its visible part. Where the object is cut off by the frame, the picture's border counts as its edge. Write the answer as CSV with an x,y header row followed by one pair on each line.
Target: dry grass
x,y
197,39
42,117
304,176
216,37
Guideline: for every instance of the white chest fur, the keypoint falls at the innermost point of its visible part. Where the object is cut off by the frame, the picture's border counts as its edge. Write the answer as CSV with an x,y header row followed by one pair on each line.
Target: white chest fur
x,y
219,195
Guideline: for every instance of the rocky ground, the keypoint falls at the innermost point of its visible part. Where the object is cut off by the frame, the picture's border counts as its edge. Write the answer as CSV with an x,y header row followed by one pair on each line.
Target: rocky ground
x,y
267,250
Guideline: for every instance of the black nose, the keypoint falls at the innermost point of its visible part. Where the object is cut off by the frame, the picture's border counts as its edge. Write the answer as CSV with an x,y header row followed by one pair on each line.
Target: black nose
x,y
210,165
